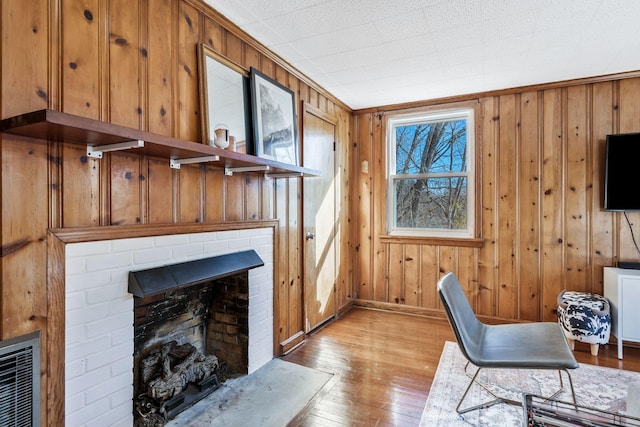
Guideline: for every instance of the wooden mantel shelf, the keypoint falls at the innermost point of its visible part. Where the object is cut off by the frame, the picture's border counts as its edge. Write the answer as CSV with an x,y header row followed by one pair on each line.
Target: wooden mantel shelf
x,y
52,125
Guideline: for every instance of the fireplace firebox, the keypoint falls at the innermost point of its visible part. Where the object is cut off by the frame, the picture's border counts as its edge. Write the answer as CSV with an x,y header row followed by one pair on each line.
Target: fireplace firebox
x,y
191,332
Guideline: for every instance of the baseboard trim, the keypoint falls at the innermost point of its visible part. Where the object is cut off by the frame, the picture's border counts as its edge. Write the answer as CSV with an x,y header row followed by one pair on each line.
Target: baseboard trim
x,y
292,342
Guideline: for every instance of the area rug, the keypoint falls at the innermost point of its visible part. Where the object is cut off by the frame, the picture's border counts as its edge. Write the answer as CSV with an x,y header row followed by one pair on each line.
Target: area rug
x,y
596,387
271,396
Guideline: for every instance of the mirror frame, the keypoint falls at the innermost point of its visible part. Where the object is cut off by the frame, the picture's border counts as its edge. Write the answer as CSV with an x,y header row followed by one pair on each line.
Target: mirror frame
x,y
204,53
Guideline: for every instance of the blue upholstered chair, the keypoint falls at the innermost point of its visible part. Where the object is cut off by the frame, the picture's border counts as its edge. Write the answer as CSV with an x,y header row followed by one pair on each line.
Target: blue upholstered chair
x,y
538,345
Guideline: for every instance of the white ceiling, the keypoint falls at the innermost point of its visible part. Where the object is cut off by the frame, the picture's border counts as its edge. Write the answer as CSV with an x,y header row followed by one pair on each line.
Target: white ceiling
x,y
370,53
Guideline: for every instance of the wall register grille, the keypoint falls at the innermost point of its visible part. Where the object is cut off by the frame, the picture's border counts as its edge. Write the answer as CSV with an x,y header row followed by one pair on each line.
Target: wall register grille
x,y
20,381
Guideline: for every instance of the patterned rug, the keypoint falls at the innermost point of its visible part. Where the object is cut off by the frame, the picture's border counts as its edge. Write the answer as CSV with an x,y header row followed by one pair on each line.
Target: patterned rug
x,y
596,387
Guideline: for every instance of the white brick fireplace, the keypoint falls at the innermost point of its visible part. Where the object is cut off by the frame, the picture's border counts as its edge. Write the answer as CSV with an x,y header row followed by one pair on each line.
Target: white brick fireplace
x,y
99,314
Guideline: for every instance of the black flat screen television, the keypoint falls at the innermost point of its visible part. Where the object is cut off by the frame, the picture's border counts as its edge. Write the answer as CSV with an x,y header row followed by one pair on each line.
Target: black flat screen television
x,y
622,172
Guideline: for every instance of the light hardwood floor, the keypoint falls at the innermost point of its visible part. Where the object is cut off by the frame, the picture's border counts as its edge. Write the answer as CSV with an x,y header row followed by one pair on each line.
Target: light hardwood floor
x,y
383,365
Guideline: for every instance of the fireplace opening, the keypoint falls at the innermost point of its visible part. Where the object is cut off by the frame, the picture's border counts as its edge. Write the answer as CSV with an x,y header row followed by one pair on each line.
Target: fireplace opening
x,y
188,340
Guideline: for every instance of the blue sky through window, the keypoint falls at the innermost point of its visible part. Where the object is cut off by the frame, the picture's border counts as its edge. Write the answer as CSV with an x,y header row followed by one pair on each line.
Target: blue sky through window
x,y
431,147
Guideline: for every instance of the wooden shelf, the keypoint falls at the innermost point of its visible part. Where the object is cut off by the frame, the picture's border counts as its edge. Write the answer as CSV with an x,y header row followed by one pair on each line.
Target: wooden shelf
x,y
54,125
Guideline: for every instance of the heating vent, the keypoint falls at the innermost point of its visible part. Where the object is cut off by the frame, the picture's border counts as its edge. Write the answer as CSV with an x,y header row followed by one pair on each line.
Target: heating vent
x,y
20,381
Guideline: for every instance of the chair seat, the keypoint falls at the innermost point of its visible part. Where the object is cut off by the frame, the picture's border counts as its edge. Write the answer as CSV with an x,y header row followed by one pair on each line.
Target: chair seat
x,y
524,346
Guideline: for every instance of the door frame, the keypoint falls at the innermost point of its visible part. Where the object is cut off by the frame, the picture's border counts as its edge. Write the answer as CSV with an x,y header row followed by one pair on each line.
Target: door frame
x,y
308,109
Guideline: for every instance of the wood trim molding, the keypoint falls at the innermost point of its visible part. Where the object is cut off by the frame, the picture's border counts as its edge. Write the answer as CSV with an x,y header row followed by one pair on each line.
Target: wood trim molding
x,y
399,308
89,234
508,91
292,342
433,241
54,340
425,312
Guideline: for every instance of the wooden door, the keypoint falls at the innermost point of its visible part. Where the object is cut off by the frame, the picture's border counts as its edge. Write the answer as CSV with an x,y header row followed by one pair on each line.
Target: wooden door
x,y
319,217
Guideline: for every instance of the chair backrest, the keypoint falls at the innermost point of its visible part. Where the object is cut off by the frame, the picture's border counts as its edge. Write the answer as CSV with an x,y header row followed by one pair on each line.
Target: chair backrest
x,y
468,329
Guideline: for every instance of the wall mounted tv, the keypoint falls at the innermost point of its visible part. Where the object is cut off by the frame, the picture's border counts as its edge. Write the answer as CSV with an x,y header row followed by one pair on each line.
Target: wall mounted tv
x,y
622,172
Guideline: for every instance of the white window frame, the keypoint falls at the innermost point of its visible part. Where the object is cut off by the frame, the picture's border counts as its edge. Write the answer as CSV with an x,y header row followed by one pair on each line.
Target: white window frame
x,y
424,117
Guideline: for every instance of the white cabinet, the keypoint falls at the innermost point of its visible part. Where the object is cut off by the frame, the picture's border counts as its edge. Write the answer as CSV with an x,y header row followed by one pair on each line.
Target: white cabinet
x,y
622,289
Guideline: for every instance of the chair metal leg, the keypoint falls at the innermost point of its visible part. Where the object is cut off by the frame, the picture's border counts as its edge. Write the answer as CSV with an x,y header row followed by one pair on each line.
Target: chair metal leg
x,y
573,392
499,399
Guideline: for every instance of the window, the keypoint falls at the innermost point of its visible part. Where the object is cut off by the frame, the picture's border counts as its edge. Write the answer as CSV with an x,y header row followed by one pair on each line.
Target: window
x,y
431,174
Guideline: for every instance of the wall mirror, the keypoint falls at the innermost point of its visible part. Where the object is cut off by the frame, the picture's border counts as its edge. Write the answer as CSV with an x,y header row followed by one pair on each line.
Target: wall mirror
x,y
224,101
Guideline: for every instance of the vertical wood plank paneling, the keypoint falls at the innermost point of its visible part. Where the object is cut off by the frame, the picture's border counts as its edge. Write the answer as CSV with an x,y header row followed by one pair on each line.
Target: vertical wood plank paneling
x,y
188,109
363,184
344,204
411,282
267,66
80,188
213,35
303,91
81,59
124,63
125,188
629,122
487,263
143,72
283,314
55,56
287,80
25,180
602,223
313,97
160,192
529,208
578,190
466,273
190,190
507,297
214,205
56,183
233,48
24,41
341,209
378,209
234,197
396,276
294,216
447,261
268,199
552,208
160,58
251,57
429,275
252,197
541,219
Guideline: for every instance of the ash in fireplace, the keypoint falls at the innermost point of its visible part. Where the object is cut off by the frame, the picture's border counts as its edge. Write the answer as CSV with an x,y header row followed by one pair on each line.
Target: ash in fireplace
x,y
174,377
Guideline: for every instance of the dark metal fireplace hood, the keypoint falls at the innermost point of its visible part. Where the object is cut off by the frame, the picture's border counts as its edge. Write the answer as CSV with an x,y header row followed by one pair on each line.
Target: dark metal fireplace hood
x,y
158,280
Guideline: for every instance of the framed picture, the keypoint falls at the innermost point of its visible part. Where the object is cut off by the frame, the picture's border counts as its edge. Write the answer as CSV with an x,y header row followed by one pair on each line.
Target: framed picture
x,y
274,119
224,101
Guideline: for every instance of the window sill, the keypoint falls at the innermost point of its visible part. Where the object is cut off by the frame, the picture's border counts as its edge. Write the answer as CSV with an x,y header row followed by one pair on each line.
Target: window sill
x,y
435,241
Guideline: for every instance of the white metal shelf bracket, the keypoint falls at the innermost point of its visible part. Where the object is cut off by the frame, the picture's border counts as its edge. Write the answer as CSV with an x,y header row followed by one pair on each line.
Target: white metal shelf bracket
x,y
96,151
175,163
231,171
283,175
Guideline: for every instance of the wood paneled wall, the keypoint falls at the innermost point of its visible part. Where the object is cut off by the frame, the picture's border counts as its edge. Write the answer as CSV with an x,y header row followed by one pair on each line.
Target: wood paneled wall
x,y
134,63
540,172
